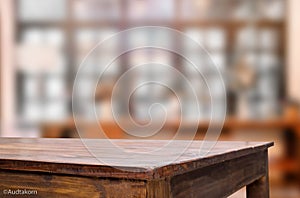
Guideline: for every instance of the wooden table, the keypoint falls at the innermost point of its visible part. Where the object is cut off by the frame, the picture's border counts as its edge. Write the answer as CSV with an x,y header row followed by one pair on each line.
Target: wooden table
x,y
65,168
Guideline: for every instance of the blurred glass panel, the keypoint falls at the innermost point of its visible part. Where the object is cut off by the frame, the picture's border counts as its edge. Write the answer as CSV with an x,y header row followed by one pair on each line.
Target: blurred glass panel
x,y
197,67
138,58
146,56
215,39
46,36
42,10
195,9
41,50
267,90
87,40
137,38
190,111
145,105
150,65
220,60
197,34
247,38
41,59
103,110
209,38
266,86
55,110
272,9
267,108
141,112
32,111
152,37
215,87
95,10
86,86
268,39
200,86
243,9
31,88
89,65
108,69
96,64
143,10
251,59
55,88
203,9
88,109
260,99
268,61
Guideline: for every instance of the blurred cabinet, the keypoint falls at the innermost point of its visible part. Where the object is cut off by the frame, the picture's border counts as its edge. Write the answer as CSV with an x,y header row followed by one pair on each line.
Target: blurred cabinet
x,y
55,36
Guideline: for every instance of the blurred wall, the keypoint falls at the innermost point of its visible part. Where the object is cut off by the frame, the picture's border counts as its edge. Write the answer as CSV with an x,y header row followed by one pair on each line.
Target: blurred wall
x,y
293,62
7,69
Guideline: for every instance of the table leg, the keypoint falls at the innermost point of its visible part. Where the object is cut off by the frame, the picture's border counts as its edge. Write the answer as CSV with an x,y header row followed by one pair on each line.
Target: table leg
x,y
297,129
259,188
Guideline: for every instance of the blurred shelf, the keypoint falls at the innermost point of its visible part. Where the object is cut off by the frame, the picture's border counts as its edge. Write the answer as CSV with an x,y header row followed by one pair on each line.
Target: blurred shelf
x,y
182,23
230,123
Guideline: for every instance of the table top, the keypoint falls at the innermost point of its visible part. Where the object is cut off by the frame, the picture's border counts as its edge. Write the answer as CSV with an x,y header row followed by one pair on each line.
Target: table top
x,y
131,159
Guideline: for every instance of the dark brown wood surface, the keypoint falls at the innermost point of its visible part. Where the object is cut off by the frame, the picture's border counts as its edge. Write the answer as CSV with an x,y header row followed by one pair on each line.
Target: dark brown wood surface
x,y
71,186
223,179
70,156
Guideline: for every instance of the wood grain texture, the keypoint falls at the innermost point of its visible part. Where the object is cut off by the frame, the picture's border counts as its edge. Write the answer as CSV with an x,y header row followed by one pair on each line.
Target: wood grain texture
x,y
51,185
159,188
70,156
220,180
260,187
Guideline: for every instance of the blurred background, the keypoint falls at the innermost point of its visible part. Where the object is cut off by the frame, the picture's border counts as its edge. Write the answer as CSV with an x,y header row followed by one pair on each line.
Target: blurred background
x,y
254,43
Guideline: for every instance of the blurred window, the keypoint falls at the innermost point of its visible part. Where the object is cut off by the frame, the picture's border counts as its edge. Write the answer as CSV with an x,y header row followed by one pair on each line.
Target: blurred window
x,y
97,10
145,10
45,10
